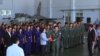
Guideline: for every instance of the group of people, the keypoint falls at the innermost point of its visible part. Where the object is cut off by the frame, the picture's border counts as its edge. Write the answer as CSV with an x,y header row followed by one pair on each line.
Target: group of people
x,y
41,37
33,37
93,38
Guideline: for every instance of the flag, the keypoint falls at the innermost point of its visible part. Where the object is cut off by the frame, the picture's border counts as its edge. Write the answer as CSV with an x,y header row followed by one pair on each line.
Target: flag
x,y
51,38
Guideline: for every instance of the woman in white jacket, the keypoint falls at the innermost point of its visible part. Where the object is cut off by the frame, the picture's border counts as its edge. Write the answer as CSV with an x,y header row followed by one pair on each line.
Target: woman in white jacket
x,y
43,41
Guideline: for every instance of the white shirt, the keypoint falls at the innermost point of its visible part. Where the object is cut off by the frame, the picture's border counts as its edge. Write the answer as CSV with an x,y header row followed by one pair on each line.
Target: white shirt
x,y
9,34
43,39
98,32
14,50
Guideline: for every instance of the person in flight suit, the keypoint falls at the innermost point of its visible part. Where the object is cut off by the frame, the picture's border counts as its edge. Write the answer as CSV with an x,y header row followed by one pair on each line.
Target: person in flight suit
x,y
56,41
48,32
62,36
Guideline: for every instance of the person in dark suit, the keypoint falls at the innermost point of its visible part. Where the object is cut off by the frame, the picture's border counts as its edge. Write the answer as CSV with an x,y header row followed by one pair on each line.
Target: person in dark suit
x,y
7,38
91,39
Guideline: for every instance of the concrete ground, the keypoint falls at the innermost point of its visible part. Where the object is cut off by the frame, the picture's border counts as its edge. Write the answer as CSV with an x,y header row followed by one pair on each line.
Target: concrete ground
x,y
80,50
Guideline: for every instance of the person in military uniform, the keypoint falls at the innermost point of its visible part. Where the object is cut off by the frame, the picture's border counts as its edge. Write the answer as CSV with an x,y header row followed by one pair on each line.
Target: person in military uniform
x,y
56,41
48,32
62,36
65,35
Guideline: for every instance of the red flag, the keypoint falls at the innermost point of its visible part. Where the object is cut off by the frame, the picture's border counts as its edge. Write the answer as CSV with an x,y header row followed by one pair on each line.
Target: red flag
x,y
51,38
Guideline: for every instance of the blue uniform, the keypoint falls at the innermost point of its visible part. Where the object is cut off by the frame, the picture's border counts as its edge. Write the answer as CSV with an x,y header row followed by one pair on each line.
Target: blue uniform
x,y
2,32
0,38
33,43
13,33
21,37
28,35
37,41
2,44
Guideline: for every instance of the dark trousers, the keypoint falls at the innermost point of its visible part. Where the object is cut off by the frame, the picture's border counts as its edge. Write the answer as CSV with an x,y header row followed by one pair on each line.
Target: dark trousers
x,y
90,48
33,48
2,50
43,49
98,45
51,47
28,48
37,48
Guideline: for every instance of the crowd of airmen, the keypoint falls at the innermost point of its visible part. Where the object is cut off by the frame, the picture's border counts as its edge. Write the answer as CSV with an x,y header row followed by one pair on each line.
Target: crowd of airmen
x,y
29,36
73,34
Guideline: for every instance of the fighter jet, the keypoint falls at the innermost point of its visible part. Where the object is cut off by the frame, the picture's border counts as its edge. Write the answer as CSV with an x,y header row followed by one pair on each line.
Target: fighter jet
x,y
39,17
